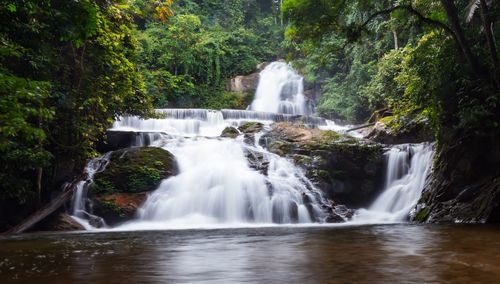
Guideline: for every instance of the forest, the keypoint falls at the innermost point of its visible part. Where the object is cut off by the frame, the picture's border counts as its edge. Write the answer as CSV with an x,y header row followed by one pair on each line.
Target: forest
x,y
249,141
68,69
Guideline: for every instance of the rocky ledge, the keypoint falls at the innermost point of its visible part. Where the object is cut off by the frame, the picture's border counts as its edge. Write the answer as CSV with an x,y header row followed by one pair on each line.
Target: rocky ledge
x,y
123,186
346,169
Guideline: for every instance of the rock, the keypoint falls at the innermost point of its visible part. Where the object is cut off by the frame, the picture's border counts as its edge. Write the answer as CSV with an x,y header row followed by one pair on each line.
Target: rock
x,y
58,222
251,127
119,190
230,132
243,84
257,161
348,171
134,170
390,130
119,207
262,66
115,140
465,183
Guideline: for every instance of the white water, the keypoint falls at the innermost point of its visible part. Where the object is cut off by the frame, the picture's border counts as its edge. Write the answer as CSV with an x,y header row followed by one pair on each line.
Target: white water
x,y
80,206
281,90
407,169
217,186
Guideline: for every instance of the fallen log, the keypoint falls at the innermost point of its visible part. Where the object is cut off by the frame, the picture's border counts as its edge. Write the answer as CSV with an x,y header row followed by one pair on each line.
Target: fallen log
x,y
45,211
361,127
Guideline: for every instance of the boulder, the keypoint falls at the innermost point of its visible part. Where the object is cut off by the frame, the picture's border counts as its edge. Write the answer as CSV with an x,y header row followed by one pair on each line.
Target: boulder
x,y
119,207
257,161
243,84
58,222
391,130
349,171
230,132
117,139
119,190
249,129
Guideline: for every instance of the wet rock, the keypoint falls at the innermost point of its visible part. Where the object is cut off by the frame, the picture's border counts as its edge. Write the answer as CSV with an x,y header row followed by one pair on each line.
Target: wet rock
x,y
59,222
465,183
390,130
230,132
347,170
119,207
257,161
339,214
251,127
115,140
121,188
134,170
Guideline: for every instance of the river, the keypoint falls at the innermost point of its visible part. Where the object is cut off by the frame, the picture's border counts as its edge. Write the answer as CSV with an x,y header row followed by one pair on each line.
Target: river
x,y
315,254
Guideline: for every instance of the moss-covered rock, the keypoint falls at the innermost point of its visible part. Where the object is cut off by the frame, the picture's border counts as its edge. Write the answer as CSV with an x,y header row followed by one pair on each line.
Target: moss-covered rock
x,y
119,207
134,170
120,189
393,130
230,132
348,170
251,127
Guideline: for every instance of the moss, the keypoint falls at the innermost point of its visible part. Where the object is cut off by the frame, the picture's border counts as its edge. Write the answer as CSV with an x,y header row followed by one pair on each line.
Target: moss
x,y
230,132
112,206
251,127
330,136
102,186
134,170
422,214
387,120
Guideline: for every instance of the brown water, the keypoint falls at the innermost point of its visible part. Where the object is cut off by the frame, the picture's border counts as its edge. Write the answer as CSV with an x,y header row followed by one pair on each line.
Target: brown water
x,y
366,254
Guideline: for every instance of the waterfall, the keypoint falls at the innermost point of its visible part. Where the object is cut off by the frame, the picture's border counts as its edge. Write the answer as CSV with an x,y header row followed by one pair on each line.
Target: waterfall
x,y
407,169
207,123
281,90
218,186
81,207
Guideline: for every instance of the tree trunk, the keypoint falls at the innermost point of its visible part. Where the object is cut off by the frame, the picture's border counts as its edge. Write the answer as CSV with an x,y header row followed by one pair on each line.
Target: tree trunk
x,y
453,18
488,26
396,41
39,172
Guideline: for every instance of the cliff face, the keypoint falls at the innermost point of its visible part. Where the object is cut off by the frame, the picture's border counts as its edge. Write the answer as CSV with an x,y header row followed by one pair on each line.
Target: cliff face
x,y
465,185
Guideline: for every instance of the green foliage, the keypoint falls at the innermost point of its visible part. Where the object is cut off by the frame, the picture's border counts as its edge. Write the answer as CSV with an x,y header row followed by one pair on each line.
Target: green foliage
x,y
405,56
187,61
67,69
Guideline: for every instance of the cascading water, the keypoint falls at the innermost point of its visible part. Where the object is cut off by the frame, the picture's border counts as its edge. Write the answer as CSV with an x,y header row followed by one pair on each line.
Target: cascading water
x,y
407,169
218,183
281,90
80,205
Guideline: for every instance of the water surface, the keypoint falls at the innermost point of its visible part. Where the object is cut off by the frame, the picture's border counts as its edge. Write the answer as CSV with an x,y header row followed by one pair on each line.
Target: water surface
x,y
365,254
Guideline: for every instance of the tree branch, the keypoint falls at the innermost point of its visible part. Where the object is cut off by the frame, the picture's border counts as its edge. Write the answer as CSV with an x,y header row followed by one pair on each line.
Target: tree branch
x,y
414,12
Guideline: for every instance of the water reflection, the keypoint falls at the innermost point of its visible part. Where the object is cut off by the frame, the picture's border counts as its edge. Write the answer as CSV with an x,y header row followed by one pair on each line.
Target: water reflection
x,y
367,254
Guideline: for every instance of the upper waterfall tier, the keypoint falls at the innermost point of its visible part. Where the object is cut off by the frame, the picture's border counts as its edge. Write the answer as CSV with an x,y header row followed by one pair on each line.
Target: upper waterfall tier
x,y
281,90
203,122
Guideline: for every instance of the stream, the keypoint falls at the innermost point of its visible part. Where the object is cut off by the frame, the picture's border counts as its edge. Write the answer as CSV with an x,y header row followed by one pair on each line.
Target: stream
x,y
316,254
